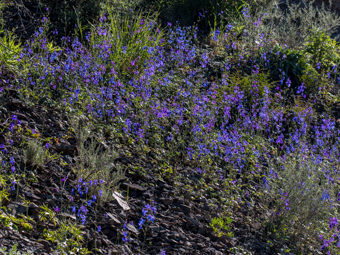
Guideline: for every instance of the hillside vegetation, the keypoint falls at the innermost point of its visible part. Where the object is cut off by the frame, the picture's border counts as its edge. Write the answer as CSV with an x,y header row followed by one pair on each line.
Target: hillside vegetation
x,y
169,127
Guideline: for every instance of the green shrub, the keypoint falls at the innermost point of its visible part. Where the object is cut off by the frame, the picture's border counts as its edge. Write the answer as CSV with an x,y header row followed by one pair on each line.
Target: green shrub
x,y
286,64
322,51
4,194
10,50
308,65
252,90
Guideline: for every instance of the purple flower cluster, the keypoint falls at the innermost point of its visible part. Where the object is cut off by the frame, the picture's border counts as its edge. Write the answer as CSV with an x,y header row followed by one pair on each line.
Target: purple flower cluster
x,y
148,215
84,189
333,239
125,238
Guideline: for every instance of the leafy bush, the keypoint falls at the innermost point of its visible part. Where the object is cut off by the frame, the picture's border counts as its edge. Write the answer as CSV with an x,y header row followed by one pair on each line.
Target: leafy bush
x,y
277,37
323,55
253,86
322,51
286,66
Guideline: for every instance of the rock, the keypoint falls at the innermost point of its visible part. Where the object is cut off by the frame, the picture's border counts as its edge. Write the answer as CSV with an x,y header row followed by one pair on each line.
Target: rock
x,y
133,187
132,228
121,201
114,218
65,148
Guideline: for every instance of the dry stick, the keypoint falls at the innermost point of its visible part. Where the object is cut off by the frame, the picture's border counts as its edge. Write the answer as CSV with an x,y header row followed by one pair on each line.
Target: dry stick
x,y
22,24
80,124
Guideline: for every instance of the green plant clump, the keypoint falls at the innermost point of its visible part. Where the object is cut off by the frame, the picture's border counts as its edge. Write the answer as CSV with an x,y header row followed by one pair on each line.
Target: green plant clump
x,y
14,251
323,52
221,226
131,39
10,50
68,238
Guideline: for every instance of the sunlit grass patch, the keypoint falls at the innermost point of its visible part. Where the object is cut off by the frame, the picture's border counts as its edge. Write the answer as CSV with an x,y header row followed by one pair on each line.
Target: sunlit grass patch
x,y
10,50
126,41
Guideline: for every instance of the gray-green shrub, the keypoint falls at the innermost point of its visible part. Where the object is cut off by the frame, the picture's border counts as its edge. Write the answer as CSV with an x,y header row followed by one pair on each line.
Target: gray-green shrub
x,y
292,23
93,162
299,186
